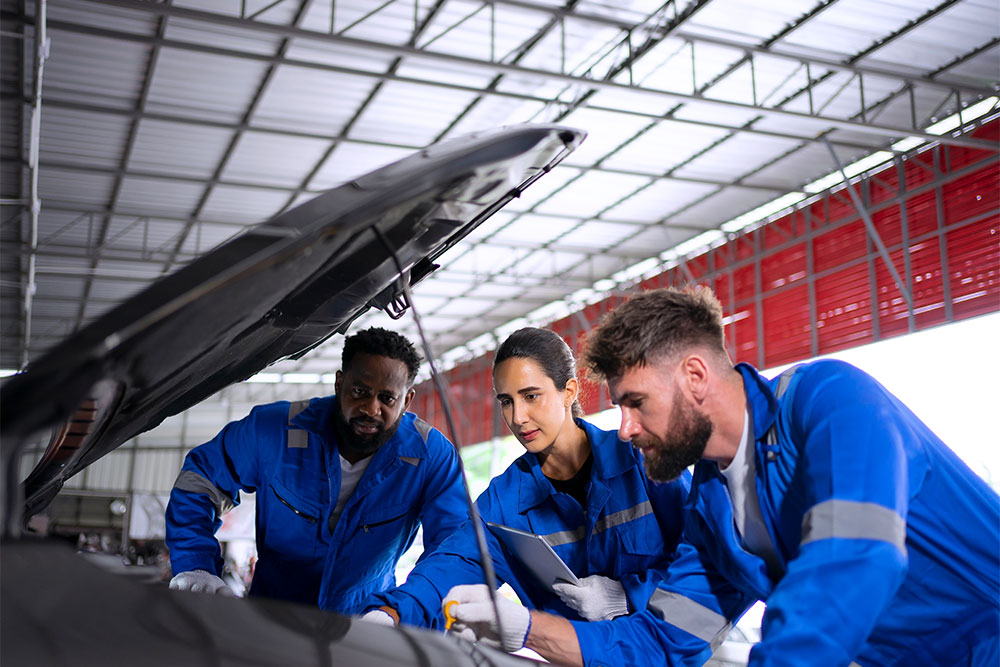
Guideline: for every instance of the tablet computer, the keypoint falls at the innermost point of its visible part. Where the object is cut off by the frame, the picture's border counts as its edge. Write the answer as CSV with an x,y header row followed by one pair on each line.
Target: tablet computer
x,y
535,554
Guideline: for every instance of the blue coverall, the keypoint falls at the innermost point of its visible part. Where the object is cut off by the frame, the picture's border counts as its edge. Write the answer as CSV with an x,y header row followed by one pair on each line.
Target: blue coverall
x,y
287,453
628,532
888,544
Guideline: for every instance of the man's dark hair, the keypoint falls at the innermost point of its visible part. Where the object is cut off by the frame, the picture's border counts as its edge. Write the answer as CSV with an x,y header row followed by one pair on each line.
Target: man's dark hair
x,y
654,324
381,342
548,350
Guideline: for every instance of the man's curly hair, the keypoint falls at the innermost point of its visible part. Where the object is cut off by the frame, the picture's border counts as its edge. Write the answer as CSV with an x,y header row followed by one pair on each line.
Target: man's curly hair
x,y
381,343
654,324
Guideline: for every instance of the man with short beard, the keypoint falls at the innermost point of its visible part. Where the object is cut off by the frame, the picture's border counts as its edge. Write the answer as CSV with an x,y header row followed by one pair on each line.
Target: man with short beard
x,y
342,484
817,491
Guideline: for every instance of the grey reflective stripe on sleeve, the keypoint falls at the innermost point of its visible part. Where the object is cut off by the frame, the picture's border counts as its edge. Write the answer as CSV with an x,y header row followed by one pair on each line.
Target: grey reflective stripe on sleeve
x,y
423,428
191,481
849,519
565,536
689,616
412,460
623,516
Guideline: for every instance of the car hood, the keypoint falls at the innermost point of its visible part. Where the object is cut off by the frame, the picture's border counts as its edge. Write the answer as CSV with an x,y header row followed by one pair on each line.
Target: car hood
x,y
274,292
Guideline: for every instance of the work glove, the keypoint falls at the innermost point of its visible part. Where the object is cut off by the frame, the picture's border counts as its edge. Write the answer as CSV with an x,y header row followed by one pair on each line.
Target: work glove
x,y
475,620
596,598
200,581
379,617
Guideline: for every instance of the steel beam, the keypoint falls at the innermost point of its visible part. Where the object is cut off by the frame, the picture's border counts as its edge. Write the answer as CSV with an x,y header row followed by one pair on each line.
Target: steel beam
x,y
655,32
341,138
133,132
495,68
873,231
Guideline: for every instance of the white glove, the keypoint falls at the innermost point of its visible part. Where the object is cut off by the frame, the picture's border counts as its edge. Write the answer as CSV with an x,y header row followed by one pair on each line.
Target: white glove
x,y
379,617
200,581
475,620
597,598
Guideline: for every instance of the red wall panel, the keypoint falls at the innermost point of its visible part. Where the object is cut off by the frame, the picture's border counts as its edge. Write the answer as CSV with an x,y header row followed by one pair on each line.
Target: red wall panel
x,y
921,213
892,308
927,283
974,195
973,259
786,320
844,309
743,331
888,222
783,267
839,246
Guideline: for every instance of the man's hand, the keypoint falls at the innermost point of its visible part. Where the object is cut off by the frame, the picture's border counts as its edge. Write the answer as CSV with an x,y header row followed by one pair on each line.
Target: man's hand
x,y
475,620
200,581
597,598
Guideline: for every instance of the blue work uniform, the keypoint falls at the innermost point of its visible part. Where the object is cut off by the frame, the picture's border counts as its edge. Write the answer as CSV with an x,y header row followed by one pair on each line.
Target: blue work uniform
x,y
887,544
287,453
627,531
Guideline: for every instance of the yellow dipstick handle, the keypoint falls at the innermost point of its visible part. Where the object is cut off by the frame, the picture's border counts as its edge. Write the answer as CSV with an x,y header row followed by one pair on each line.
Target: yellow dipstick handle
x,y
448,618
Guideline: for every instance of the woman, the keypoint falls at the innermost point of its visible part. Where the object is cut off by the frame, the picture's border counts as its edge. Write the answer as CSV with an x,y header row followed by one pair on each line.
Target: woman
x,y
580,487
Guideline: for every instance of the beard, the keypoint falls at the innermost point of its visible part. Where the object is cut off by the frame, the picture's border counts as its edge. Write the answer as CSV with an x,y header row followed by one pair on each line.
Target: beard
x,y
683,446
360,443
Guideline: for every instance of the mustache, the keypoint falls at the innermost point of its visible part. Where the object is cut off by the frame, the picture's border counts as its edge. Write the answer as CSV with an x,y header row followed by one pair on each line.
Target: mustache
x,y
367,421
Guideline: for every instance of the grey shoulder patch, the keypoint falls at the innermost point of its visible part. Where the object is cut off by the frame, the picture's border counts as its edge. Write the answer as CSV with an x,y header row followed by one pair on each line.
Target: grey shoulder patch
x,y
423,428
295,408
412,460
297,438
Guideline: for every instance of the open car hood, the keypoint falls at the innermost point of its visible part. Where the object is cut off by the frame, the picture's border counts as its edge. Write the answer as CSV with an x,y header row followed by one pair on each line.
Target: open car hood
x,y
274,292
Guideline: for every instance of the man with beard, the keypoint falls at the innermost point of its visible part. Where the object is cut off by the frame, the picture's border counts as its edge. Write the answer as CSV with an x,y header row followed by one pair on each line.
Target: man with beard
x,y
342,484
817,491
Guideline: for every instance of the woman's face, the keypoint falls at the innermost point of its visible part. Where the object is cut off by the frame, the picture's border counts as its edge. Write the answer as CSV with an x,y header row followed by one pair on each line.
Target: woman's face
x,y
535,411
